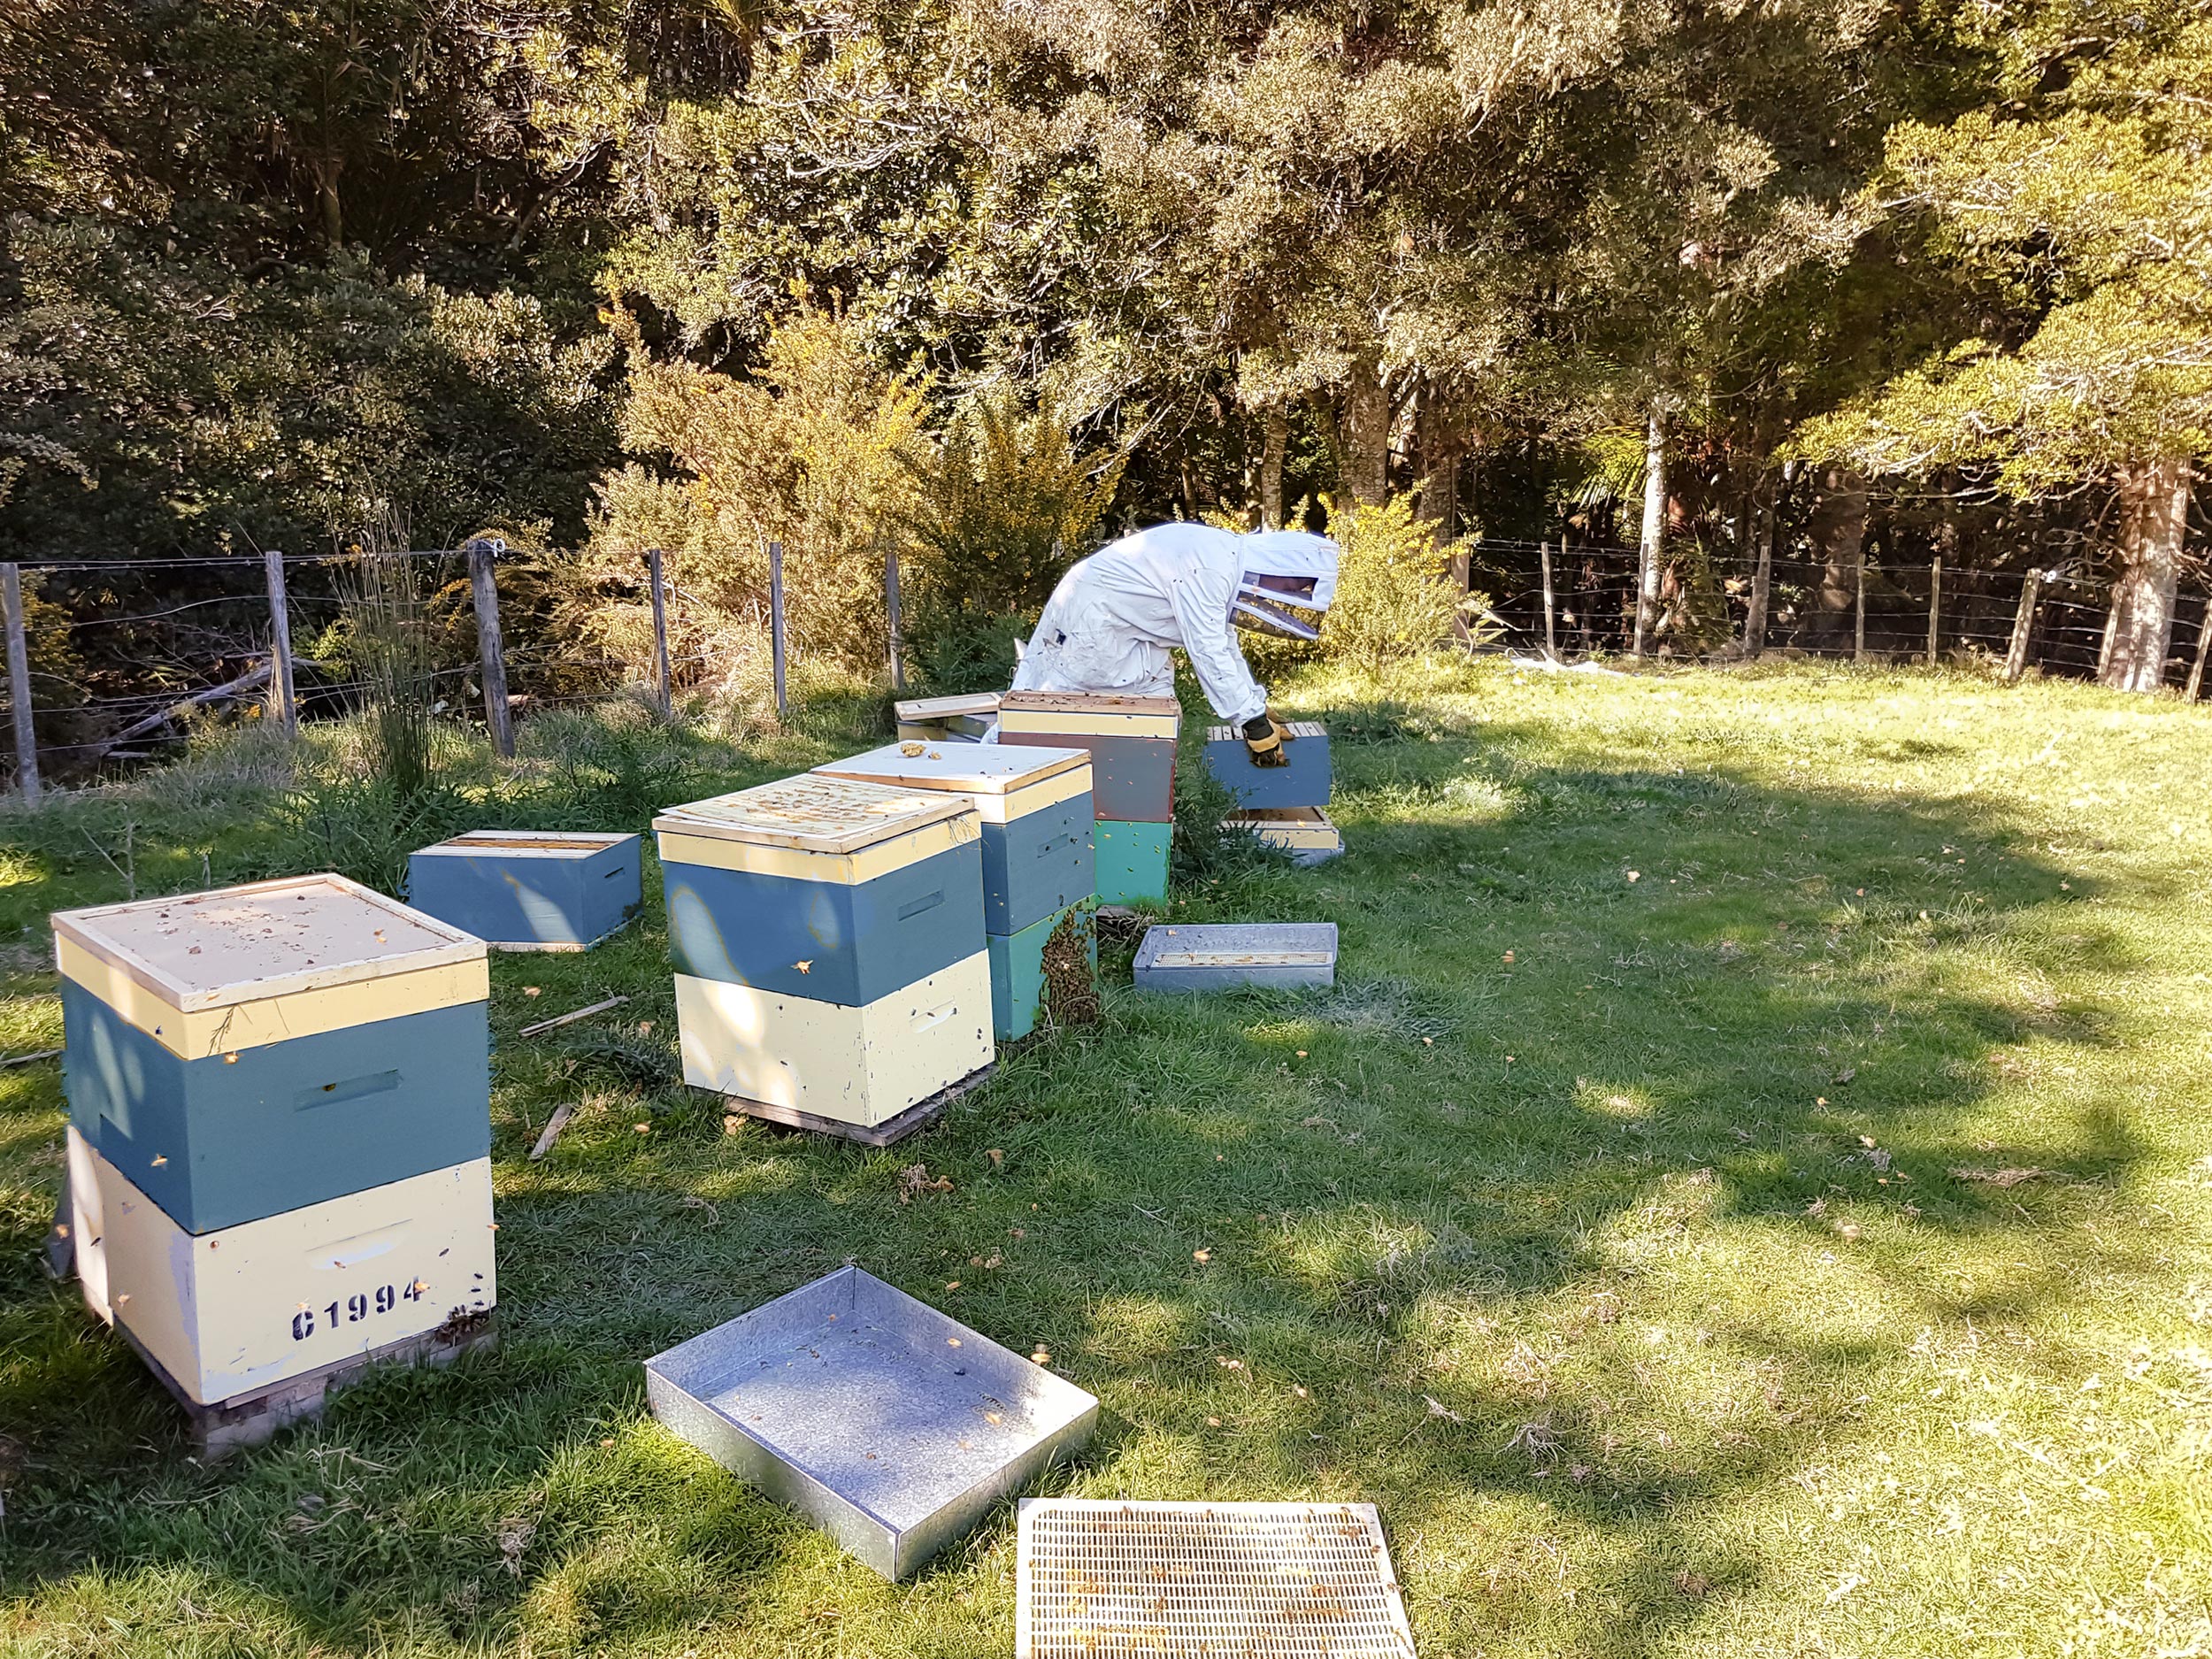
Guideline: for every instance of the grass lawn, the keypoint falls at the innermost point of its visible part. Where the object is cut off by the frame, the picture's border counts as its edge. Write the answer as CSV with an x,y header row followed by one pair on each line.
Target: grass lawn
x,y
1748,1192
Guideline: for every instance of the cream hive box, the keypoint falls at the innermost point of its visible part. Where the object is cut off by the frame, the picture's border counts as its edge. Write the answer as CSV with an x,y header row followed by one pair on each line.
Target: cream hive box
x,y
244,1052
232,1312
828,941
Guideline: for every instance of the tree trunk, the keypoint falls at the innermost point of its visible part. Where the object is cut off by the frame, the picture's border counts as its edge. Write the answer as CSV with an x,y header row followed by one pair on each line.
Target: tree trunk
x,y
2154,511
1277,426
1764,517
1363,433
1838,529
1650,548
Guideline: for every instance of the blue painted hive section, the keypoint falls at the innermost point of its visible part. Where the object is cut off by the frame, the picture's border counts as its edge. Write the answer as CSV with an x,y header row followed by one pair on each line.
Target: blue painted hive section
x,y
525,891
1304,783
230,1138
1037,863
834,942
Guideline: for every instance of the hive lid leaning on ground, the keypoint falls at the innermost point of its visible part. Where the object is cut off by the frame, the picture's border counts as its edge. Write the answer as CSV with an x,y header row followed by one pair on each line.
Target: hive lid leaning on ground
x,y
814,814
211,957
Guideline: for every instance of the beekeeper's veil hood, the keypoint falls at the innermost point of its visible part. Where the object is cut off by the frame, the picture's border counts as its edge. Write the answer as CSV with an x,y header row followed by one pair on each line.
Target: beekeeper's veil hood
x,y
1283,569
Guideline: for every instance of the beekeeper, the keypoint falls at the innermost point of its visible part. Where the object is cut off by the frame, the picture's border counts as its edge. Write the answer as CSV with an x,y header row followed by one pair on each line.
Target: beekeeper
x,y
1115,616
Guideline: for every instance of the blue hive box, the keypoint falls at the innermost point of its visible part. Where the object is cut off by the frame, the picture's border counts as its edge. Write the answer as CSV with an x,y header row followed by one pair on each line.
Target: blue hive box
x,y
1034,808
1131,740
529,889
244,1052
1304,783
823,887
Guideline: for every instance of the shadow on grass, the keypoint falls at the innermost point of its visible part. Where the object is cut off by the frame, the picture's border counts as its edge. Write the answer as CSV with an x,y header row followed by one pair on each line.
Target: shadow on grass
x,y
1407,1242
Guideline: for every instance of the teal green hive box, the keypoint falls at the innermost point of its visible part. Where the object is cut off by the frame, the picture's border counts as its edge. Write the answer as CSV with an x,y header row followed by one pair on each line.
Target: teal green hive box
x,y
1021,990
246,1052
529,889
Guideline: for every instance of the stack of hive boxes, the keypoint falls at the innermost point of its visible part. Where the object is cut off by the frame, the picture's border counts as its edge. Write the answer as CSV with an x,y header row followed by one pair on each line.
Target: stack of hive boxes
x,y
1131,745
529,889
1282,805
1034,808
280,1102
831,972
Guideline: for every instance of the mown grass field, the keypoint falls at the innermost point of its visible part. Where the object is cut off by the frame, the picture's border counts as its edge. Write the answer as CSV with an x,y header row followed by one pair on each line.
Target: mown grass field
x,y
1750,1192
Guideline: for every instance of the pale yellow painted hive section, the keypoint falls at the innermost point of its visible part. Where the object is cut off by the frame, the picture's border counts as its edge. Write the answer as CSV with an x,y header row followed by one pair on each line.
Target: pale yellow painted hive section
x,y
1060,723
1294,829
248,943
858,1065
679,844
229,1312
196,1033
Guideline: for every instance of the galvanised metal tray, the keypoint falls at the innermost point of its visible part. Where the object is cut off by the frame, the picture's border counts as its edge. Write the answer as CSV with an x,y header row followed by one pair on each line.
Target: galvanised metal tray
x,y
890,1426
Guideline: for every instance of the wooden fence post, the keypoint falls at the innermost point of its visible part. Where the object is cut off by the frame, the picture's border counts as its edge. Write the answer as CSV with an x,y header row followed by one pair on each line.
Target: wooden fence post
x,y
19,682
775,623
1755,620
1551,635
1858,621
891,616
663,689
281,646
2023,625
1935,609
497,717
2195,687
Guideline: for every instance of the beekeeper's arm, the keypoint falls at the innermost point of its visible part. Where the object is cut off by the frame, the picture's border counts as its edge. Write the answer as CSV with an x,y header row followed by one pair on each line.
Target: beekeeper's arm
x,y
1201,598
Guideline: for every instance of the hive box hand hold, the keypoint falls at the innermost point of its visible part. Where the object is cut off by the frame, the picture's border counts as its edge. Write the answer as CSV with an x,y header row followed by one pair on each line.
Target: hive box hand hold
x,y
1303,781
823,887
890,1426
1034,809
1131,740
1224,955
529,889
243,1052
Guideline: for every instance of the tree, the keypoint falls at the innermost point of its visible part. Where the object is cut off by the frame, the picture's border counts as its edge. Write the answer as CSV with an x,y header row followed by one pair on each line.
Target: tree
x,y
2081,202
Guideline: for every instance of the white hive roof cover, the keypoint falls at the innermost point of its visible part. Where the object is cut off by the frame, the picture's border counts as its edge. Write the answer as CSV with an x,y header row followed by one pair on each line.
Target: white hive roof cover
x,y
815,813
531,843
969,768
240,944
1101,1577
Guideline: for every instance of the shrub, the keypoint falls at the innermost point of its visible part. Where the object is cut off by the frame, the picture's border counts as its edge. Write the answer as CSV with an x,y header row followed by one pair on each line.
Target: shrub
x,y
1393,598
998,514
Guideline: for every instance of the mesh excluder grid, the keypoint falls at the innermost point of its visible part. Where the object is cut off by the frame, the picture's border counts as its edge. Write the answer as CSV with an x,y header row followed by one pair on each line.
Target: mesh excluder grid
x,y
1100,1577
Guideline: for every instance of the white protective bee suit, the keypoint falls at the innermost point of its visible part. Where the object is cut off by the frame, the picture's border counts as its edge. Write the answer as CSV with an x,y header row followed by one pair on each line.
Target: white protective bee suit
x,y
1115,617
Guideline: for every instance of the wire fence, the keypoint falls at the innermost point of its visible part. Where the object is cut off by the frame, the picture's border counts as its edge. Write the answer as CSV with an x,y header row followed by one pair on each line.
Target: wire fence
x,y
1712,607
145,672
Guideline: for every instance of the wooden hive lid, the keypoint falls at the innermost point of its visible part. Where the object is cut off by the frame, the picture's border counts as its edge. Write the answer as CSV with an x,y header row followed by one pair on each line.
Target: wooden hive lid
x,y
914,708
1087,702
967,768
243,944
814,813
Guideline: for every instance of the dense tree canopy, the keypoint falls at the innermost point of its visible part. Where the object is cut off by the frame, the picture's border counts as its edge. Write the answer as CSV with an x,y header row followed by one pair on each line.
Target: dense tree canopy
x,y
269,273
